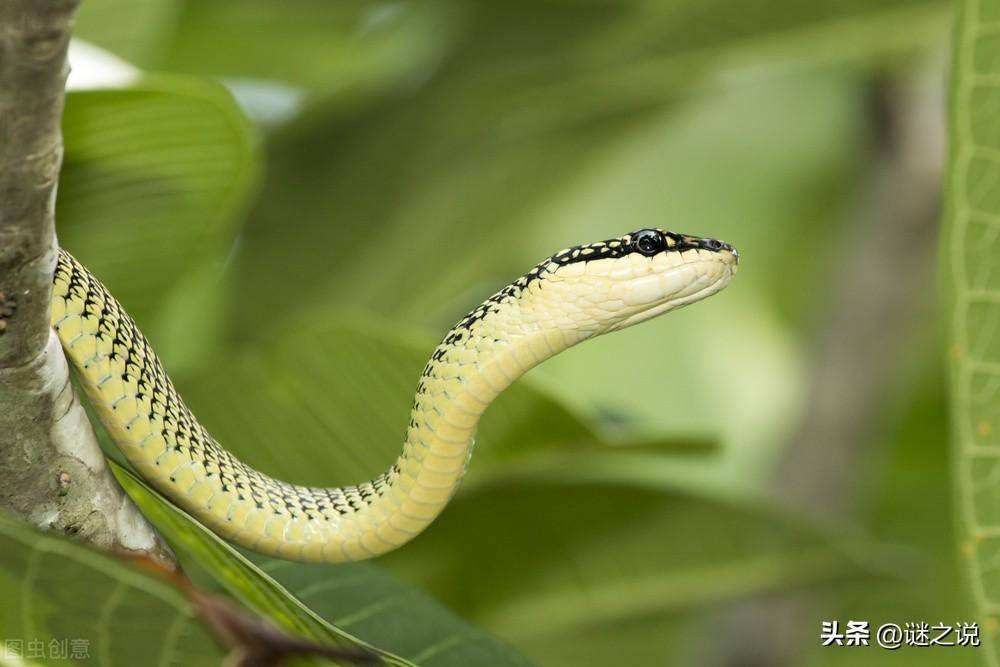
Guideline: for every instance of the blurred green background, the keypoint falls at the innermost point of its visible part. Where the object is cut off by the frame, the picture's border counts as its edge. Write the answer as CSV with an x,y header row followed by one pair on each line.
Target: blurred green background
x,y
295,199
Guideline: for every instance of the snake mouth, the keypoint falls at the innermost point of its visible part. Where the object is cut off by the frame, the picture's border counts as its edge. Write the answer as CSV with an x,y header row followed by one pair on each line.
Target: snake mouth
x,y
679,300
716,246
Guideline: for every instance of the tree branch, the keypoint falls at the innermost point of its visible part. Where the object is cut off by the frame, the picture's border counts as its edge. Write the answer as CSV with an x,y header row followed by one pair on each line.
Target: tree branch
x,y
54,474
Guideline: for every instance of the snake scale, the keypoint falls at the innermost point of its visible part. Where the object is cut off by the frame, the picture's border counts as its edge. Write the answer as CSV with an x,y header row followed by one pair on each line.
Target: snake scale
x,y
569,297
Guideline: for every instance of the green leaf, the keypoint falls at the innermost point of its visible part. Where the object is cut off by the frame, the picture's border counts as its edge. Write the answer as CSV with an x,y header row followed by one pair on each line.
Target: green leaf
x,y
582,547
235,573
365,600
973,255
153,180
58,591
378,611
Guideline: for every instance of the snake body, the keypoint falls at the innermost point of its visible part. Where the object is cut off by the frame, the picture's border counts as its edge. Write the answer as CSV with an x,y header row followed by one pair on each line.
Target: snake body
x,y
573,295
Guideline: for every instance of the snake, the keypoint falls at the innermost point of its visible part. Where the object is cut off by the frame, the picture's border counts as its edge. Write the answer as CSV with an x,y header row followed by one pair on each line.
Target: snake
x,y
574,295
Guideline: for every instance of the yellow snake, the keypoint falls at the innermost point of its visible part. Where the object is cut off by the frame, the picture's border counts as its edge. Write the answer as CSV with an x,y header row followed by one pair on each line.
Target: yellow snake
x,y
573,295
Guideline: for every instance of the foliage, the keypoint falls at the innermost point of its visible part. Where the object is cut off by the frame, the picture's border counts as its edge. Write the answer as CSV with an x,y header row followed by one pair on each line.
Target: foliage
x,y
370,591
294,235
973,251
95,607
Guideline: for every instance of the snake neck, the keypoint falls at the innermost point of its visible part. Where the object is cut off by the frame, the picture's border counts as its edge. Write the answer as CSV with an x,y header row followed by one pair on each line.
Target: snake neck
x,y
480,357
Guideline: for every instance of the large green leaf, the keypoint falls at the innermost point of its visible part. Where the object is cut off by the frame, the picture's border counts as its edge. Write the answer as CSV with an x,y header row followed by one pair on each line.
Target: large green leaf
x,y
349,606
587,547
973,253
65,601
153,180
199,546
368,602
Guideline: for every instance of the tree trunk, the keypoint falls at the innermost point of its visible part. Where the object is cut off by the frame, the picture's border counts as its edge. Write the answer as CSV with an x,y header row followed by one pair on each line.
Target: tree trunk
x,y
52,470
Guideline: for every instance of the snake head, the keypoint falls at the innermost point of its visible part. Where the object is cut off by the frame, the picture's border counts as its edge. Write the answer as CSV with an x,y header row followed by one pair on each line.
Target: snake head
x,y
614,284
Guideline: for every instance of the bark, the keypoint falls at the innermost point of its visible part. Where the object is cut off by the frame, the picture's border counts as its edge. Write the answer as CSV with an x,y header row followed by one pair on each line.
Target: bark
x,y
51,466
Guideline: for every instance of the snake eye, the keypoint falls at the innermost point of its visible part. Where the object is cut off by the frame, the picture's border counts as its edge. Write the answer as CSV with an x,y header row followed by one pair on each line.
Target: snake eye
x,y
649,241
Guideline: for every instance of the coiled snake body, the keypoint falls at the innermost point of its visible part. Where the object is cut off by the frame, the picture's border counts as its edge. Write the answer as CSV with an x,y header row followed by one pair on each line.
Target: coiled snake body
x,y
575,294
